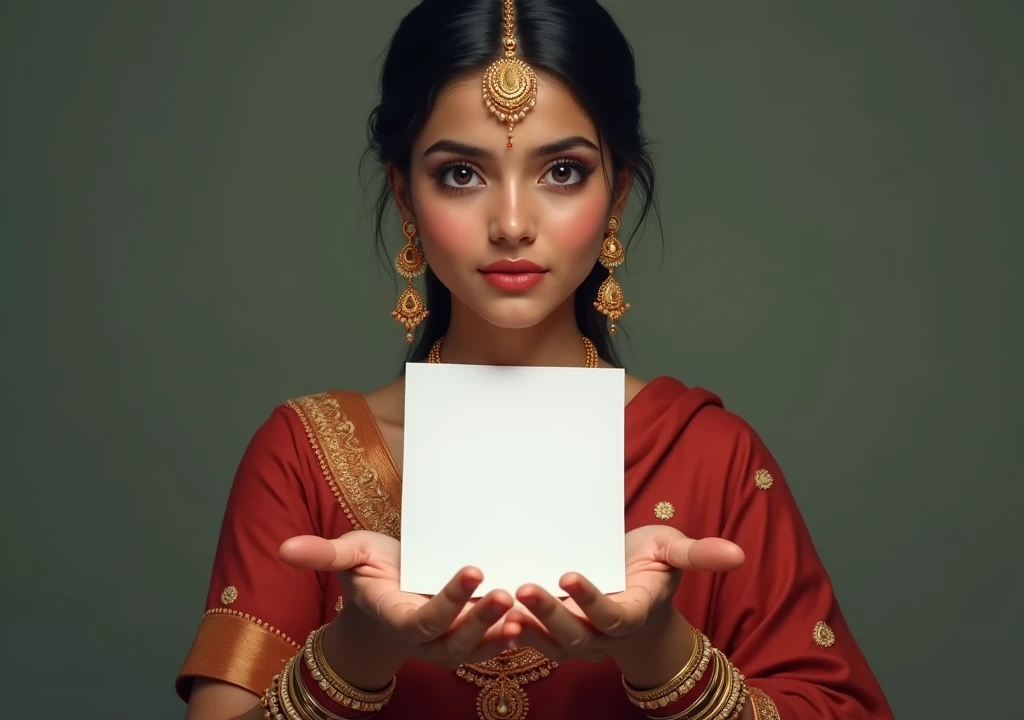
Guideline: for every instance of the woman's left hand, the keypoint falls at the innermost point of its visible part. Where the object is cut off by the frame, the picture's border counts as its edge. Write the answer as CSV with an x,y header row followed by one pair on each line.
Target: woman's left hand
x,y
589,625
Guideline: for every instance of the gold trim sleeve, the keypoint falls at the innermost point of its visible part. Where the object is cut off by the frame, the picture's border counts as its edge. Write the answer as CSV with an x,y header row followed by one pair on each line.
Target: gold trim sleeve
x,y
762,706
235,649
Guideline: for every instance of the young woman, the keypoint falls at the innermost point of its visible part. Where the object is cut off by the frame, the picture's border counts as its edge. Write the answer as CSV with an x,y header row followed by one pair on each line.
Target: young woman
x,y
511,137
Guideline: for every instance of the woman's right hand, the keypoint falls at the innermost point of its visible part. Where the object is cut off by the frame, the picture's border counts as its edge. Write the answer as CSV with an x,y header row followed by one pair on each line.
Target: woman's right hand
x,y
446,629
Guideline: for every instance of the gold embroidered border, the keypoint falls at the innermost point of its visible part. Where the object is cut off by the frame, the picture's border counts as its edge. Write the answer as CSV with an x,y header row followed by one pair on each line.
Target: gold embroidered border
x,y
235,648
762,706
343,460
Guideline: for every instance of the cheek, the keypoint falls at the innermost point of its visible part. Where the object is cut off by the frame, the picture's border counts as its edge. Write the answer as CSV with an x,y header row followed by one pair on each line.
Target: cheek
x,y
452,230
579,234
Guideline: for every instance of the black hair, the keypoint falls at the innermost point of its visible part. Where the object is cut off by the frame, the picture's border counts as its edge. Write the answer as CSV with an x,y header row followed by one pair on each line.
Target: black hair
x,y
576,40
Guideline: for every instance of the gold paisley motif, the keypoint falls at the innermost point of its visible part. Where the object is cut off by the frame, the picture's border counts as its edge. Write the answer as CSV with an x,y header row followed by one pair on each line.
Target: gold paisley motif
x,y
365,499
823,635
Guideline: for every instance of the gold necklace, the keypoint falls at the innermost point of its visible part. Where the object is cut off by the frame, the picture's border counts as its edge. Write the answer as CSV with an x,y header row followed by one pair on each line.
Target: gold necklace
x,y
501,679
590,360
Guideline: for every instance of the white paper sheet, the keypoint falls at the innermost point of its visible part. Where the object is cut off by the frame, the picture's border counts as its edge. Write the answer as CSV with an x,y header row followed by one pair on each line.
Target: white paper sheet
x,y
518,471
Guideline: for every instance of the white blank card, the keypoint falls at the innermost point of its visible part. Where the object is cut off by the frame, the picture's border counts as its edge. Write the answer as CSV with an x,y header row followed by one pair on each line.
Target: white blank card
x,y
515,470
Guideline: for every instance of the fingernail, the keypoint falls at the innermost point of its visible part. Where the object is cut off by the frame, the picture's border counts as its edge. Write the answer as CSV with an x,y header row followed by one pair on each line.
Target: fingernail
x,y
469,584
531,602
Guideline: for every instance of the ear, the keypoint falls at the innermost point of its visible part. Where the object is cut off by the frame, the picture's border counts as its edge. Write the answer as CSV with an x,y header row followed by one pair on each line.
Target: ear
x,y
400,193
622,186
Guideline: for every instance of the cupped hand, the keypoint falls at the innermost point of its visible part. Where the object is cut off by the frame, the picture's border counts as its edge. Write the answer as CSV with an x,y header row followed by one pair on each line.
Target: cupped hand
x,y
447,629
590,625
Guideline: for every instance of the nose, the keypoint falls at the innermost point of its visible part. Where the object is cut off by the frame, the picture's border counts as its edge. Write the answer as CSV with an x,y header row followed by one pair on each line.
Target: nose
x,y
512,217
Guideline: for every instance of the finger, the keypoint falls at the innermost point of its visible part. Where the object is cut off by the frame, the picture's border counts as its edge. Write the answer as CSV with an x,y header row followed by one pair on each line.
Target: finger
x,y
432,619
490,647
529,634
309,552
469,631
568,630
617,616
706,554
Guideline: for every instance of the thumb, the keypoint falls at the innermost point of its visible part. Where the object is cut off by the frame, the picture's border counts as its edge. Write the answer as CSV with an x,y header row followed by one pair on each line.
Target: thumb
x,y
707,554
309,552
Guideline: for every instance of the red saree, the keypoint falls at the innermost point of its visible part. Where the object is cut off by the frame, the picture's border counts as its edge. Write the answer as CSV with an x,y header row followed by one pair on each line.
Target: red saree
x,y
319,466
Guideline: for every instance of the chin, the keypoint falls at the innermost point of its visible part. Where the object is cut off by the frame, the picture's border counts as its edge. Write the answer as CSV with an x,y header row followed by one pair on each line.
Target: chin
x,y
517,315
515,321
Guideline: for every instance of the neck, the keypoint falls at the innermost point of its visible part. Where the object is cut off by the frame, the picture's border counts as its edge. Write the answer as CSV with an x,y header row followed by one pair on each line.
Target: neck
x,y
555,342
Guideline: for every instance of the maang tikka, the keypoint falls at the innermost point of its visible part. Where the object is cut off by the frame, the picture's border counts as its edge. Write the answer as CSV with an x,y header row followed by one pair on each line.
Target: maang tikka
x,y
610,301
410,310
510,85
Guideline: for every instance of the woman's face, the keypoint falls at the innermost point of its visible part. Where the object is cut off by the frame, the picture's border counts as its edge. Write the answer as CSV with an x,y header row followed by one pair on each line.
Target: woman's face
x,y
542,204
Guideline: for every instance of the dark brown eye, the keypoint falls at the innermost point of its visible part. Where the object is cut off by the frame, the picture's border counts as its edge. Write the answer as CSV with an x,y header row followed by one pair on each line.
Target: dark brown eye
x,y
457,175
561,173
462,175
565,174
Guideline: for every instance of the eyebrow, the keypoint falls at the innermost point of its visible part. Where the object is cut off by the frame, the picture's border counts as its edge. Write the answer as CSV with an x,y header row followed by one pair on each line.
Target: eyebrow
x,y
558,146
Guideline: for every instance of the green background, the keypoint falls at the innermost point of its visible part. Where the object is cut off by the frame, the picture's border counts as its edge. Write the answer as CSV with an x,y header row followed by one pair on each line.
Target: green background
x,y
185,245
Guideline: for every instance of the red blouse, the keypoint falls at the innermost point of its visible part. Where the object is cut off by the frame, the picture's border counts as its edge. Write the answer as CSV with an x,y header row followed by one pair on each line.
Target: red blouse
x,y
319,466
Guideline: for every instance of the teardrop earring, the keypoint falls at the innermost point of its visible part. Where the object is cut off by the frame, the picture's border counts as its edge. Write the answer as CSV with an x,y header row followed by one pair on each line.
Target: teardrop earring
x,y
610,301
410,310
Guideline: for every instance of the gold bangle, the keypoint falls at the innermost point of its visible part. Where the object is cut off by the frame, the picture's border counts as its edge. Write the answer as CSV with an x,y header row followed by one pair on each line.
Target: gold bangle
x,y
287,702
709,693
320,664
678,686
303,697
742,693
738,710
716,696
272,701
724,705
721,693
665,688
335,686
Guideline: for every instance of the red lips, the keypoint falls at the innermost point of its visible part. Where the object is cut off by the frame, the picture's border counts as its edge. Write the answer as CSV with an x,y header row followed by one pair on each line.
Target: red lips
x,y
513,275
513,267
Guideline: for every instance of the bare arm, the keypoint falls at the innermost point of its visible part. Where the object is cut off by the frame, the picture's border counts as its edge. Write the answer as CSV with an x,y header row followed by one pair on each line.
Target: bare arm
x,y
216,700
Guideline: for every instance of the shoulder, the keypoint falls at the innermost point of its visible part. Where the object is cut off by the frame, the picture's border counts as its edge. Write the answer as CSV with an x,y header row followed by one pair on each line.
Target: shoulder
x,y
724,450
318,411
720,429
295,427
346,418
633,387
308,444
667,416
705,410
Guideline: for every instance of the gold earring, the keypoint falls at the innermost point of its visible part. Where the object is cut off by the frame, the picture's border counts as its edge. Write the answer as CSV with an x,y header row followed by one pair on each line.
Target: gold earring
x,y
609,296
410,310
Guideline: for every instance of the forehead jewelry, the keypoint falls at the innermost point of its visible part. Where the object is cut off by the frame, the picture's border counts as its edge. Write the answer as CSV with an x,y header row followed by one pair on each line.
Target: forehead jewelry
x,y
510,85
